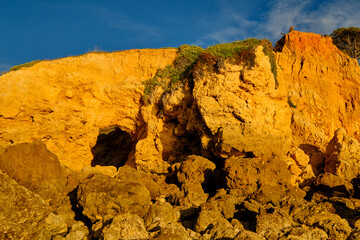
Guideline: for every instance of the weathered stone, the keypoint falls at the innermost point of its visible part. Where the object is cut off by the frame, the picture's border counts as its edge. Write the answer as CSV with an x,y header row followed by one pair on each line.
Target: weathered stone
x,y
102,198
248,235
195,168
303,233
222,230
208,215
33,166
78,231
161,212
173,231
127,173
225,203
319,215
193,194
66,101
331,184
125,226
22,212
270,222
343,155
106,170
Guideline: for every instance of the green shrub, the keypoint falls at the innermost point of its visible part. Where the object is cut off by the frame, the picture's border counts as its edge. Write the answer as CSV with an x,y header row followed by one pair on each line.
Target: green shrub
x,y
25,65
240,51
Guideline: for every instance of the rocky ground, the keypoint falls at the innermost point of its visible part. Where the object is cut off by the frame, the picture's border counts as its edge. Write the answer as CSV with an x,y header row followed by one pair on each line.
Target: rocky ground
x,y
233,152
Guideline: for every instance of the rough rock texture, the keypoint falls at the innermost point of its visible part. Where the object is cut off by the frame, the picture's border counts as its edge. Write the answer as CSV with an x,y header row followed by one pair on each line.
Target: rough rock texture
x,y
231,152
65,102
125,226
36,168
343,155
321,83
22,212
127,173
102,198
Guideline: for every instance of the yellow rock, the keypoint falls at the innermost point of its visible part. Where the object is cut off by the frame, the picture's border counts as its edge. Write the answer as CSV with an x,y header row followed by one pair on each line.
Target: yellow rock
x,y
65,102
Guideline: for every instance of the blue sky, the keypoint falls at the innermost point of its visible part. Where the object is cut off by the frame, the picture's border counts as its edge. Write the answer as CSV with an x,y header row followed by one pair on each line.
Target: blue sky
x,y
39,29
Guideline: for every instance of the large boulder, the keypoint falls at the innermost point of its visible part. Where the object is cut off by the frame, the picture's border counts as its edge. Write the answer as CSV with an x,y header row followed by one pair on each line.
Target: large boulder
x,y
102,198
22,212
33,166
343,155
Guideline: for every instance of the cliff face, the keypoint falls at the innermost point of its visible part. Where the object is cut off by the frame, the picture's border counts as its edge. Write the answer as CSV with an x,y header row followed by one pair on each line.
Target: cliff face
x,y
231,110
65,102
233,151
322,84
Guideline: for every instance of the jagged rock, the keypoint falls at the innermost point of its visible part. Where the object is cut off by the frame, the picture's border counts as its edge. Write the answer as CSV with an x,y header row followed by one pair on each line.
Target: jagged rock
x,y
271,221
173,231
78,231
161,212
125,226
127,173
193,194
263,178
33,166
222,230
102,198
106,170
343,155
248,235
226,203
322,216
195,168
302,233
22,212
333,184
229,107
322,84
208,216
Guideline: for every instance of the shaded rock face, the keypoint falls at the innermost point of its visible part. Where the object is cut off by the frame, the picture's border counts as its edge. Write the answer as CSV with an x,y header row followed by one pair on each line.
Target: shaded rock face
x,y
230,153
33,166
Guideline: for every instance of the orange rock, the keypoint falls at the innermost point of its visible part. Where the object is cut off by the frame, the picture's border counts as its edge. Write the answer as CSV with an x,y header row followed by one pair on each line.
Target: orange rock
x,y
65,102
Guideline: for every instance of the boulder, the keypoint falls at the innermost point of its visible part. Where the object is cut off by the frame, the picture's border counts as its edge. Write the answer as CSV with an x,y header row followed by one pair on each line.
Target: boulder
x,y
162,213
321,215
102,198
127,173
125,226
33,166
343,155
22,212
195,168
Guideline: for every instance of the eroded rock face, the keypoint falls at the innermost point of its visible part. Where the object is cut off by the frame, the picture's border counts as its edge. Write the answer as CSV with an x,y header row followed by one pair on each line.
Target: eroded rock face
x,y
65,102
343,155
321,84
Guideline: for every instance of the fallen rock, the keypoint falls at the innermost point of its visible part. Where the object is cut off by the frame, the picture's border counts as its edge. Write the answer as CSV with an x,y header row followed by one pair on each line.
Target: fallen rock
x,y
125,226
161,213
333,185
343,155
33,166
193,194
22,212
248,235
322,216
102,198
127,173
195,168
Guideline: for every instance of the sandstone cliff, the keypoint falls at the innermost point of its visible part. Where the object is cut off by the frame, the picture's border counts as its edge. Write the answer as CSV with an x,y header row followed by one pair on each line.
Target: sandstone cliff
x,y
260,145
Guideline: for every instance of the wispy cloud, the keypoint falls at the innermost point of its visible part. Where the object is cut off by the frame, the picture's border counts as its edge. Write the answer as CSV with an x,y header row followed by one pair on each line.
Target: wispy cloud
x,y
239,22
306,16
120,21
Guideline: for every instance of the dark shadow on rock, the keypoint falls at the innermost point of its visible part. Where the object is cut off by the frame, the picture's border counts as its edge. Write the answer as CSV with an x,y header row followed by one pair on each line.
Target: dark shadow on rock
x,y
317,157
79,216
112,147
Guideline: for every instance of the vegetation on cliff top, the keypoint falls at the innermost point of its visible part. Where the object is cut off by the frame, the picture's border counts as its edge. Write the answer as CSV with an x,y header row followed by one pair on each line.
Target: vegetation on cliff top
x,y
240,51
347,40
25,65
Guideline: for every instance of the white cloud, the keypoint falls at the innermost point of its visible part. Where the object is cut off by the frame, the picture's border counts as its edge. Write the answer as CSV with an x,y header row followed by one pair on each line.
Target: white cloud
x,y
322,19
238,22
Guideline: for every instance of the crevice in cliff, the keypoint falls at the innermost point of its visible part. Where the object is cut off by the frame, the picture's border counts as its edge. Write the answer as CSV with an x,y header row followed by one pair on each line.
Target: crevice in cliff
x,y
112,147
79,216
